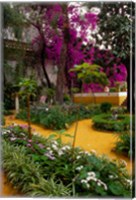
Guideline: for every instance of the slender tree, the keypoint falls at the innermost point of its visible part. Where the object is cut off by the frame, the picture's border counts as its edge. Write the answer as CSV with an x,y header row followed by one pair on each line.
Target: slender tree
x,y
116,30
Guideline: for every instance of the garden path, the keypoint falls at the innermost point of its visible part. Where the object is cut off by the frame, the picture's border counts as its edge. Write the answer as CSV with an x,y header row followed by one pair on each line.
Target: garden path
x,y
87,138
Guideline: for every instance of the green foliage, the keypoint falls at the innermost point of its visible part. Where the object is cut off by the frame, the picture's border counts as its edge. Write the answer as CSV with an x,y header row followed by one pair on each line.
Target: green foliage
x,y
74,89
109,123
67,98
48,168
105,107
27,86
123,145
90,74
115,22
113,89
26,174
8,96
57,117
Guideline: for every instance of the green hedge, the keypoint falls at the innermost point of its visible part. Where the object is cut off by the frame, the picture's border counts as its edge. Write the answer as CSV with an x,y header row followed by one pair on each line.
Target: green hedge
x,y
107,122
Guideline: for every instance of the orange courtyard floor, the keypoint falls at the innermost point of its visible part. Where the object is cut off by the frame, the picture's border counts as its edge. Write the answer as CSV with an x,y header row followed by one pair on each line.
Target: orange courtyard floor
x,y
87,138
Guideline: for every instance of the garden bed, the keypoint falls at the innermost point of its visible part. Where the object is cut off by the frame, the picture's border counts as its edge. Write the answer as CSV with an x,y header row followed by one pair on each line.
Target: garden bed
x,y
57,117
44,167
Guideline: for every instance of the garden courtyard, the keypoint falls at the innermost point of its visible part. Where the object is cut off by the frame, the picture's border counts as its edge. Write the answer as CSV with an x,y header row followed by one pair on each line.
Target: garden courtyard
x,y
68,119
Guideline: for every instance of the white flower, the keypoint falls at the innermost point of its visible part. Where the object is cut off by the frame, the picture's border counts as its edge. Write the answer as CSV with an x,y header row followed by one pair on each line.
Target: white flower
x,y
65,148
87,153
103,184
50,152
92,174
4,132
78,157
93,179
46,109
88,178
111,176
48,148
54,147
60,153
79,168
55,142
129,181
98,183
87,185
83,181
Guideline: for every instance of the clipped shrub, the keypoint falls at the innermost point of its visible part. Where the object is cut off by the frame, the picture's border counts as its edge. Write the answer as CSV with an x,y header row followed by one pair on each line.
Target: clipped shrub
x,y
109,123
105,107
44,167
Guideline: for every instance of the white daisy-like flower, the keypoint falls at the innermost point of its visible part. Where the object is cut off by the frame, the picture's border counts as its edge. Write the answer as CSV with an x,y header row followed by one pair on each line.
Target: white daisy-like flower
x,y
83,181
79,168
92,174
87,185
98,183
78,157
54,147
60,153
65,148
111,176
4,133
55,142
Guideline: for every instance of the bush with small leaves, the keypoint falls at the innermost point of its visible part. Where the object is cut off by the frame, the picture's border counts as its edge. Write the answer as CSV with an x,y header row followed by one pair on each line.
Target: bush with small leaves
x,y
110,123
105,107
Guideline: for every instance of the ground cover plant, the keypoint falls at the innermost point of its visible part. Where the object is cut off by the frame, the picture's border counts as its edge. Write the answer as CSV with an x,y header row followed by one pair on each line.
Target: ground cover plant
x,y
60,117
124,146
112,122
46,167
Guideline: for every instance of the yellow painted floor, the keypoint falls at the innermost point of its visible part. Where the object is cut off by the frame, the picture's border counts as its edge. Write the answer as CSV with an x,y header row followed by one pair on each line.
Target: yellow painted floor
x,y
87,138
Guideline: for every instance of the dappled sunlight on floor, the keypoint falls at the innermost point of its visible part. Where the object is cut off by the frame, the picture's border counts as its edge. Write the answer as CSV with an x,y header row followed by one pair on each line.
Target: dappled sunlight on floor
x,y
87,137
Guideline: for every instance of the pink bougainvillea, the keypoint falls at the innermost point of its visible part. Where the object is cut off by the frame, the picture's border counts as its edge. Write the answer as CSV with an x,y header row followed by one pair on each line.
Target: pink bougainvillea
x,y
77,51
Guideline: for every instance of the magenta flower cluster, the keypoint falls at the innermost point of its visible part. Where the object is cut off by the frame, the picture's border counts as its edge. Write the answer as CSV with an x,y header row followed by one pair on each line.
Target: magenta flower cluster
x,y
77,52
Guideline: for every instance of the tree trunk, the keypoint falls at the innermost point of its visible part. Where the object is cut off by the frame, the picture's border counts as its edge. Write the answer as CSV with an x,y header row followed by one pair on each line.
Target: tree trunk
x,y
61,76
43,67
61,80
17,103
28,117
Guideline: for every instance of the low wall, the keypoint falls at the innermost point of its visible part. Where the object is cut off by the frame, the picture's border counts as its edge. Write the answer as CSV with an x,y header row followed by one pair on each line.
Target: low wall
x,y
115,98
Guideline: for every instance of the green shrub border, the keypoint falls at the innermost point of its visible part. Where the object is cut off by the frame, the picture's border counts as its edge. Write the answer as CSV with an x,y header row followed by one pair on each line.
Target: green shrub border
x,y
106,122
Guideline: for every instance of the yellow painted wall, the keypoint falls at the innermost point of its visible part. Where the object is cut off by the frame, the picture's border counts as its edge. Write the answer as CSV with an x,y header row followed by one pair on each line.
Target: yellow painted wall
x,y
115,100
